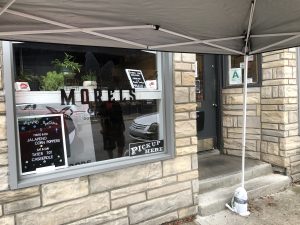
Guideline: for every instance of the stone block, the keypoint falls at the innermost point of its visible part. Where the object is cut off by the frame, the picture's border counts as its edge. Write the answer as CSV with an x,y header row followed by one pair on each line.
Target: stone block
x,y
195,185
177,165
276,82
232,91
252,98
274,117
269,107
289,143
253,90
288,91
181,95
274,159
128,176
229,121
194,161
185,107
274,101
267,74
102,218
3,146
188,176
159,206
182,116
185,128
183,142
161,220
270,138
192,94
288,107
252,122
166,190
177,57
66,212
2,107
293,116
274,133
275,92
231,143
129,200
177,78
189,57
186,150
122,221
194,140
7,220
273,148
64,190
266,92
193,115
182,66
292,100
290,126
283,72
3,179
3,159
274,64
15,195
270,58
133,189
293,132
188,79
185,212
22,205
270,126
3,127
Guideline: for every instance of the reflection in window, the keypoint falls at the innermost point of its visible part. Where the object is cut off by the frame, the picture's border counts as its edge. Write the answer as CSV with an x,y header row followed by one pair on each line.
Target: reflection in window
x,y
103,114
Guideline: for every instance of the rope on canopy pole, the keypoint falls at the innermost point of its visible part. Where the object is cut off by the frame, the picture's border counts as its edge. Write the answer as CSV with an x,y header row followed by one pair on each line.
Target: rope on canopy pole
x,y
244,119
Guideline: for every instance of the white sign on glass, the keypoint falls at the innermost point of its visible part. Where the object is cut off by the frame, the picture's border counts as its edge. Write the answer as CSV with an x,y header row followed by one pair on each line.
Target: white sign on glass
x,y
235,76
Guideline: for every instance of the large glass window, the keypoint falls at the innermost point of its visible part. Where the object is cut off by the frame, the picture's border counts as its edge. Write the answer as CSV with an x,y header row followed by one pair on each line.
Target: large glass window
x,y
76,106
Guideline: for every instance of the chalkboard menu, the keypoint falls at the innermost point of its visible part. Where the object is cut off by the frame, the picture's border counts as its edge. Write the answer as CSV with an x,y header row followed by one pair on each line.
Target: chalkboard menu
x,y
146,148
42,144
136,78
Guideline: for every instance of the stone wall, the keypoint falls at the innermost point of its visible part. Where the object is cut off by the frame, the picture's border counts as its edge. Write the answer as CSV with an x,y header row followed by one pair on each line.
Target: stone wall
x,y
279,103
147,194
272,116
232,110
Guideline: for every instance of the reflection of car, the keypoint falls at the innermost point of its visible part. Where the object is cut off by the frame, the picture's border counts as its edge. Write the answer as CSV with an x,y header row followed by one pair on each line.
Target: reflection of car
x,y
145,127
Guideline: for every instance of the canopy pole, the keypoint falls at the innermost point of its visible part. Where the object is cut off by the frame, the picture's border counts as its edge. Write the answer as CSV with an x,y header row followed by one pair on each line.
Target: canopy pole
x,y
8,4
244,119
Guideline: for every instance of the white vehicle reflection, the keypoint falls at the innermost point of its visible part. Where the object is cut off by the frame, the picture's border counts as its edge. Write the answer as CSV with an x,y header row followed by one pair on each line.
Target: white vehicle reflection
x,y
145,127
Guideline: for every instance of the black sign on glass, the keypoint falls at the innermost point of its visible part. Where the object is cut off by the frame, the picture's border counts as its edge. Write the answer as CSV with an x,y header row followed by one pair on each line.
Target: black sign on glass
x,y
42,143
146,148
136,78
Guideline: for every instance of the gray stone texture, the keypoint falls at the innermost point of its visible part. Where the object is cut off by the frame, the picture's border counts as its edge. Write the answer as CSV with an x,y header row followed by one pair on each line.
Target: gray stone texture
x,y
65,212
160,206
128,176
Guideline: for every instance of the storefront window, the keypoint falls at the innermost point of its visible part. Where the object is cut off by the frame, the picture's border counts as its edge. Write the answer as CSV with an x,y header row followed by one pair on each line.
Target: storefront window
x,y
235,71
76,106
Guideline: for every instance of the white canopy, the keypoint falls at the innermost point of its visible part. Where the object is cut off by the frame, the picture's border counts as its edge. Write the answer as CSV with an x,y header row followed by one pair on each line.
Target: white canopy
x,y
206,26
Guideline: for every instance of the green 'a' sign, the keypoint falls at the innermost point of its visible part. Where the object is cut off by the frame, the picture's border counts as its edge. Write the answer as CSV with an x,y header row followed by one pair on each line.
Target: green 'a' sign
x,y
235,76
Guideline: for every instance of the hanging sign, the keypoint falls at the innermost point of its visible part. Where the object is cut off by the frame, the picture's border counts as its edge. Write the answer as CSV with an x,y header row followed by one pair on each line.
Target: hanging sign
x,y
235,76
146,148
136,78
42,144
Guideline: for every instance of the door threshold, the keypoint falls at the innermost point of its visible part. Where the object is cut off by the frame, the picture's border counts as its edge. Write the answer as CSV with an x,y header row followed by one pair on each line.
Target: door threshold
x,y
208,153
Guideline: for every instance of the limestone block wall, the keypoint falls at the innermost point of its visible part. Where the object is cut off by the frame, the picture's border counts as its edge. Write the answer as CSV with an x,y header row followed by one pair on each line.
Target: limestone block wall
x,y
272,116
232,122
146,194
279,103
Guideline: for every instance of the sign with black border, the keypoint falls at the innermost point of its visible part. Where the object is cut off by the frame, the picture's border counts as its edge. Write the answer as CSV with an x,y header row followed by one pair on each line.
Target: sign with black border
x,y
42,144
136,78
146,148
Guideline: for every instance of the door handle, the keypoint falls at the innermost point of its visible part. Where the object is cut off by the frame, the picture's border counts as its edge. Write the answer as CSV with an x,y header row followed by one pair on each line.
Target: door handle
x,y
214,105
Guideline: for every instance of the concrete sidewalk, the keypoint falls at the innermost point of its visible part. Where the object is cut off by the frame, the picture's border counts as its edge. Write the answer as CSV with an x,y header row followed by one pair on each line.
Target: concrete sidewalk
x,y
279,209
